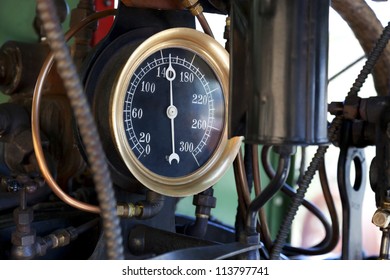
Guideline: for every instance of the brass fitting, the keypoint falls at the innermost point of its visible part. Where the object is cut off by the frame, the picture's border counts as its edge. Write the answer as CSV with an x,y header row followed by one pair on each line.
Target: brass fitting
x,y
63,237
128,210
193,6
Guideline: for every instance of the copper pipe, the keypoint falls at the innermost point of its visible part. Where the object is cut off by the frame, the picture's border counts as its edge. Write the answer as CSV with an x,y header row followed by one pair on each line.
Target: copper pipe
x,y
196,10
241,202
242,177
173,5
239,176
264,229
205,25
35,119
193,6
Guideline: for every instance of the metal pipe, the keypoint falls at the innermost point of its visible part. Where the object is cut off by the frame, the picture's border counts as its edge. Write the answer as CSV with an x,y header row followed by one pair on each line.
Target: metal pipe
x,y
144,209
279,98
385,245
332,234
319,248
35,120
204,202
264,229
240,173
205,25
87,226
196,10
273,187
242,192
87,127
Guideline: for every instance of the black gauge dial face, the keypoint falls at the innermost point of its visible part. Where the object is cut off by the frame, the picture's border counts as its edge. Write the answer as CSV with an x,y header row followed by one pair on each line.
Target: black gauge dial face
x,y
173,112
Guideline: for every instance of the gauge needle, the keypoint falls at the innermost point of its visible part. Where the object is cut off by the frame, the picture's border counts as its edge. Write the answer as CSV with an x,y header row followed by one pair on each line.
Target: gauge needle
x,y
172,110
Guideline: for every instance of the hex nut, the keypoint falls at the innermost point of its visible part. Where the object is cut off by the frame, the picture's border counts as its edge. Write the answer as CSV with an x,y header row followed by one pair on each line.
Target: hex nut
x,y
23,217
23,239
121,210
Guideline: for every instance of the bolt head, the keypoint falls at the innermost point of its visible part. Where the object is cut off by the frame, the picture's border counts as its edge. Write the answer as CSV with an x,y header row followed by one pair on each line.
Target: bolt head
x,y
20,239
381,219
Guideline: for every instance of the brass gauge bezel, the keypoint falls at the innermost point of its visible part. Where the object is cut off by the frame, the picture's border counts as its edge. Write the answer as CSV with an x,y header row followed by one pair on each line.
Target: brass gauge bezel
x,y
218,59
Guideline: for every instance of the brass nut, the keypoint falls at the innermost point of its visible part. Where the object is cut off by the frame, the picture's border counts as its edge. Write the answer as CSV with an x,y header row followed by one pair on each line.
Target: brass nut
x,y
120,209
63,238
126,210
194,6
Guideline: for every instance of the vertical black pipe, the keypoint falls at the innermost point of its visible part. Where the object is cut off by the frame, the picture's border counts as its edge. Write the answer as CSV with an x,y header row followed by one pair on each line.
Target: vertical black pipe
x,y
279,71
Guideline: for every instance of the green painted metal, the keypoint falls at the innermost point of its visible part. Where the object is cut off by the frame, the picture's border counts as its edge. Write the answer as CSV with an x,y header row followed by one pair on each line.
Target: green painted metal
x,y
17,17
16,23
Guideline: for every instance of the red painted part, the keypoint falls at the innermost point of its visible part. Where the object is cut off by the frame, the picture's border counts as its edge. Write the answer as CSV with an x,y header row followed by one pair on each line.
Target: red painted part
x,y
104,25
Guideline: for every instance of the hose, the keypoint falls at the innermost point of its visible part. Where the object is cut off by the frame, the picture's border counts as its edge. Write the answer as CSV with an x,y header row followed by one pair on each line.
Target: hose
x,y
335,125
299,197
288,190
331,206
204,202
273,187
151,206
88,131
332,236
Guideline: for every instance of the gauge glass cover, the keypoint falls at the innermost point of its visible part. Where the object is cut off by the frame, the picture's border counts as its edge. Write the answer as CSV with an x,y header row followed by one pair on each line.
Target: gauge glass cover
x,y
173,112
169,112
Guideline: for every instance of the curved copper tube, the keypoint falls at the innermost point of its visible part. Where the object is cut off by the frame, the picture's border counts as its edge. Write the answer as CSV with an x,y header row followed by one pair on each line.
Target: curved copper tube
x,y
241,185
205,25
240,173
35,125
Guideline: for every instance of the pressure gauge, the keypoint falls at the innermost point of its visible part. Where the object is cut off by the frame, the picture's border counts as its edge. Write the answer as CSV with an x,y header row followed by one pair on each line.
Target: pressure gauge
x,y
169,112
